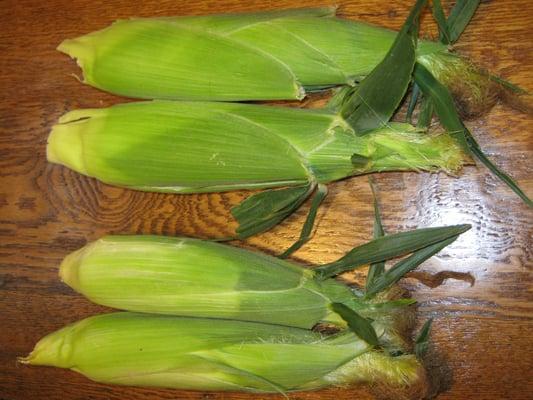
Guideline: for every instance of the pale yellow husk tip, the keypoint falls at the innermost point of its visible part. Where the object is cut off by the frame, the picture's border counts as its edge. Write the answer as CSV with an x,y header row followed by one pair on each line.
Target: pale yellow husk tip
x,y
79,51
65,147
65,142
69,268
52,350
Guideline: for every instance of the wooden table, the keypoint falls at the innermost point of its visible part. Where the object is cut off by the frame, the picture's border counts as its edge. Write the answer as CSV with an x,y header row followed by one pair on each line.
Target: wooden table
x,y
482,337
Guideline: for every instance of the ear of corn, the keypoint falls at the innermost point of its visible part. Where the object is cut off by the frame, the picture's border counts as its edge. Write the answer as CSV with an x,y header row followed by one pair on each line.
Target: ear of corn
x,y
204,147
261,56
204,354
198,278
191,277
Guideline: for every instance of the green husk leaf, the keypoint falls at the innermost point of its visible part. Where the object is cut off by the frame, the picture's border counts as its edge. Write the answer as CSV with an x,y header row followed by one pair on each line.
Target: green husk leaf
x,y
357,324
426,113
376,269
339,97
440,18
447,113
359,161
222,366
415,93
442,102
480,155
422,340
378,225
367,108
508,85
388,247
460,16
307,228
395,273
384,306
264,210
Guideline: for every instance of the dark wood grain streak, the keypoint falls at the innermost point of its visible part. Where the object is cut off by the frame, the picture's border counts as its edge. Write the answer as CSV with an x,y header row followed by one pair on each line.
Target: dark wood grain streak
x,y
482,333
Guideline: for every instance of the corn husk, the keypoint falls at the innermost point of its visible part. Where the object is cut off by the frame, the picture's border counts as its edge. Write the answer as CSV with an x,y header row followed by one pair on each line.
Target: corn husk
x,y
205,354
186,147
257,56
191,277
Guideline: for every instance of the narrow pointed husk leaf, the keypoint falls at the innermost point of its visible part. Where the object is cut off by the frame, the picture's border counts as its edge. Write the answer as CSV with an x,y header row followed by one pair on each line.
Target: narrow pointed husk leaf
x,y
394,274
460,16
440,18
359,325
305,235
375,269
422,339
368,108
266,209
390,246
413,101
449,118
426,113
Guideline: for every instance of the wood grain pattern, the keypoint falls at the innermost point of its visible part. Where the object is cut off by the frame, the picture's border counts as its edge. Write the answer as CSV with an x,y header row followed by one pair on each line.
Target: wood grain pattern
x,y
482,333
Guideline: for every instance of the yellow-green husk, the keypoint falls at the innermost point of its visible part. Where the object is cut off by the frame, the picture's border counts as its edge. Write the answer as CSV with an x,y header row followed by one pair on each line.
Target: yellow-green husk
x,y
204,354
186,147
231,57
